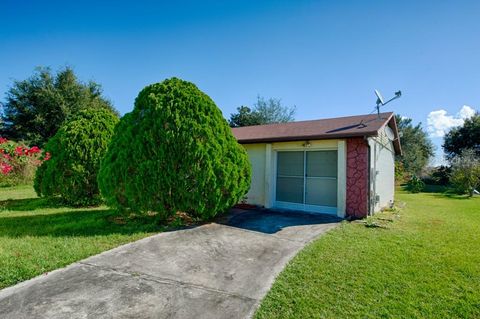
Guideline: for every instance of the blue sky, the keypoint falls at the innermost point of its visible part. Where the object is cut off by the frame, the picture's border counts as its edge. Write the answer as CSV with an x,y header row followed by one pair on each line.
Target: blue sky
x,y
325,57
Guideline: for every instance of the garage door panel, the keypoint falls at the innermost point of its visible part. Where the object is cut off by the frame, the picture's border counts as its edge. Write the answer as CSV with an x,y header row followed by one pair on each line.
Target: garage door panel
x,y
290,189
308,178
322,164
290,164
321,192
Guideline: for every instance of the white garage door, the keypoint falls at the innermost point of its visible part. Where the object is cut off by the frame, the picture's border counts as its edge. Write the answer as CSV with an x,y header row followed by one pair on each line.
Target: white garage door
x,y
307,180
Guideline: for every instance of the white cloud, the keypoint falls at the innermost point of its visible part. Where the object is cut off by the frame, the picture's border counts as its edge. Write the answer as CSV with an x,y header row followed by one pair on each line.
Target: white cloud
x,y
440,122
466,112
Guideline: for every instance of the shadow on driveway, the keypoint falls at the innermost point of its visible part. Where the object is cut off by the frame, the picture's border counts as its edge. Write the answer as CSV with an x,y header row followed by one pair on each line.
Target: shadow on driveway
x,y
271,222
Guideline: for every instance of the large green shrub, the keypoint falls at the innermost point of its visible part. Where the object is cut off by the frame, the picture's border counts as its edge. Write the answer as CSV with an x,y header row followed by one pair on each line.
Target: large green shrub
x,y
76,150
415,185
174,152
465,174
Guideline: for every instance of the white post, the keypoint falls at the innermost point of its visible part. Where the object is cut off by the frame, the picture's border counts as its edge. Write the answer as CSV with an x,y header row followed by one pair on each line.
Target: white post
x,y
269,187
341,178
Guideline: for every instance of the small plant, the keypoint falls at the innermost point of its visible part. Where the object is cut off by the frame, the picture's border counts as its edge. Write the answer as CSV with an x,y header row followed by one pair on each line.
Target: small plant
x,y
415,185
18,162
372,222
244,200
383,219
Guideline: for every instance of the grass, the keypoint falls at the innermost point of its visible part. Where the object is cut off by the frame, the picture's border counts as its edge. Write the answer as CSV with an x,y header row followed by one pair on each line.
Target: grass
x,y
38,235
422,262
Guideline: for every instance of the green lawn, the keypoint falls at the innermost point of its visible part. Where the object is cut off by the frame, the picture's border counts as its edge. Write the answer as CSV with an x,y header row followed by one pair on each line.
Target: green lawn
x,y
425,263
37,235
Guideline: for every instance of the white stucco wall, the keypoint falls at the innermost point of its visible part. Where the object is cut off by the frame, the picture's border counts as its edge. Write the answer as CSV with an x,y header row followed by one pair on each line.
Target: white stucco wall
x,y
256,154
382,155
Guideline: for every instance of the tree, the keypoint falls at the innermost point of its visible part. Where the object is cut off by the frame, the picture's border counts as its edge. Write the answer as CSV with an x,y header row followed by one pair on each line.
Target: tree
x,y
76,150
35,108
245,117
174,152
416,146
463,137
272,111
265,111
465,175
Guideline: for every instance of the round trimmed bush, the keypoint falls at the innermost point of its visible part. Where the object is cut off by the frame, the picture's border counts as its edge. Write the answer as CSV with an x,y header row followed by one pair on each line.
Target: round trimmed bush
x,y
76,150
174,152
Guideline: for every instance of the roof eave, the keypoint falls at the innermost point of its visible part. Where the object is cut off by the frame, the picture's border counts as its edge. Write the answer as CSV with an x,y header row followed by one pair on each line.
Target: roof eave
x,y
305,137
396,142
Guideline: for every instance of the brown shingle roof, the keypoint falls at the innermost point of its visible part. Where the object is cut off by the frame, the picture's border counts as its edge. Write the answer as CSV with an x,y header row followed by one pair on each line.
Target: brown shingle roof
x,y
340,127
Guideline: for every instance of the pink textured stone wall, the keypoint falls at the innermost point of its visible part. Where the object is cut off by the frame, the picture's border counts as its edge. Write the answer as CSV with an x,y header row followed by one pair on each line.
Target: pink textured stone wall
x,y
357,178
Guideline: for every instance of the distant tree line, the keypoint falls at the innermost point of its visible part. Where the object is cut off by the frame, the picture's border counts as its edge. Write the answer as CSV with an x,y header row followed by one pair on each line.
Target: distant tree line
x,y
462,149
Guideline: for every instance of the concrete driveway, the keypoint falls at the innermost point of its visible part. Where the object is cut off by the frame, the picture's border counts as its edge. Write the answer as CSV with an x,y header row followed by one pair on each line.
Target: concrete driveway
x,y
217,270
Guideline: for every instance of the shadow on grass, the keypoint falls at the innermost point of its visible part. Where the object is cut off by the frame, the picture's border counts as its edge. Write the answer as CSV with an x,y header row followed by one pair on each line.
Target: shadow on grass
x,y
451,195
444,192
440,191
68,222
29,204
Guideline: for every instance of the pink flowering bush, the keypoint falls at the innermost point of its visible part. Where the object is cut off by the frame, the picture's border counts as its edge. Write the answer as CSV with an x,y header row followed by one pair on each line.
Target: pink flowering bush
x,y
19,162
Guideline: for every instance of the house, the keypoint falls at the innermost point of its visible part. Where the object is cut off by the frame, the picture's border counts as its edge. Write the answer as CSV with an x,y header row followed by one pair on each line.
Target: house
x,y
342,166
